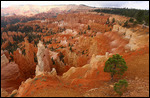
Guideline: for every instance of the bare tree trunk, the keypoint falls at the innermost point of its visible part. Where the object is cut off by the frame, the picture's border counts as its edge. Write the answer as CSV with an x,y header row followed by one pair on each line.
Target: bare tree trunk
x,y
112,75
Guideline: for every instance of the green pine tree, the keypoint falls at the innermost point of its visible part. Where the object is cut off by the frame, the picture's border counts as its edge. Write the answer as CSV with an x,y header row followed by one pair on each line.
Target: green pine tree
x,y
115,65
120,86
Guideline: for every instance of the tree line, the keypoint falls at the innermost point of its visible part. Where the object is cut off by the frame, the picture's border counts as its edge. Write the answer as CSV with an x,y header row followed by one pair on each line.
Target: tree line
x,y
140,15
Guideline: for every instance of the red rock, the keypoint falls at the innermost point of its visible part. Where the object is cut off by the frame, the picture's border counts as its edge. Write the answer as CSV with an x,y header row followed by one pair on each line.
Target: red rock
x,y
10,77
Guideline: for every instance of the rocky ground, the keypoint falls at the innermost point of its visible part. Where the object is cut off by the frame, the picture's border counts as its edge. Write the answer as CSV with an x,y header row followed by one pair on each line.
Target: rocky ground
x,y
137,77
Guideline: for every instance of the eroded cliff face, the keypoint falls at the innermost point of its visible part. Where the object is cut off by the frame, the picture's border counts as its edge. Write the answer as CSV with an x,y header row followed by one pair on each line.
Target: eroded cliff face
x,y
4,60
136,39
93,70
10,76
4,93
26,63
5,52
75,75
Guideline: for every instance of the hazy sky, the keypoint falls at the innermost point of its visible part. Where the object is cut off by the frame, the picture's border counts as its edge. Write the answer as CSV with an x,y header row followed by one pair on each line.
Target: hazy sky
x,y
118,4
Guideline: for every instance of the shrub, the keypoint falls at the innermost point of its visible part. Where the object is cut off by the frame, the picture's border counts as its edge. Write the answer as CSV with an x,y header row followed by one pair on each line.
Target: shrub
x,y
80,85
131,20
115,65
89,27
113,20
110,29
120,86
43,80
12,95
107,22
35,79
135,23
71,49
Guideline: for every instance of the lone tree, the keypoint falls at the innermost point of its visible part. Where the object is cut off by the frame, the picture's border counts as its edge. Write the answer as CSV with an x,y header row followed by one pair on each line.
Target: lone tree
x,y
115,65
121,86
107,22
89,27
113,20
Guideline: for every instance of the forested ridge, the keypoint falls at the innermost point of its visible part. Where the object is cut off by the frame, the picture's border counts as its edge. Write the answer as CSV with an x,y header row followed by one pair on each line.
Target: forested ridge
x,y
139,15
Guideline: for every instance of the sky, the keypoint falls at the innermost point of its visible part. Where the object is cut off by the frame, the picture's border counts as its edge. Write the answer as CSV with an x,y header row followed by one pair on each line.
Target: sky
x,y
116,4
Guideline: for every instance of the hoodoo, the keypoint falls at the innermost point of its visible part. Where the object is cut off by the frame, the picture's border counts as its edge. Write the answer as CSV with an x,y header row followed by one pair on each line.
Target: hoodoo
x,y
75,50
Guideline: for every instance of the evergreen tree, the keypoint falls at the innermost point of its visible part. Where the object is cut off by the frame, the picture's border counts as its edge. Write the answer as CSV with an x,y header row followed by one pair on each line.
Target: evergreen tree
x,y
139,16
89,27
115,65
134,23
121,86
107,22
71,49
131,20
113,20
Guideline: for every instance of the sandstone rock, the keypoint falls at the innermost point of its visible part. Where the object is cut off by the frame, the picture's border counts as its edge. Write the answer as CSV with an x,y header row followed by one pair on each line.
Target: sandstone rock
x,y
2,52
110,19
128,33
4,60
127,37
106,54
122,30
101,58
37,71
5,52
93,89
93,62
43,59
98,33
40,55
53,72
19,50
127,47
4,93
69,72
14,92
133,42
10,71
88,71
46,59
28,80
86,66
10,77
26,67
136,78
115,28
111,86
114,43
